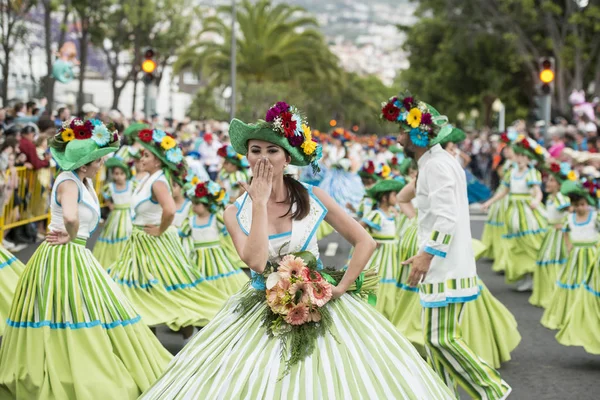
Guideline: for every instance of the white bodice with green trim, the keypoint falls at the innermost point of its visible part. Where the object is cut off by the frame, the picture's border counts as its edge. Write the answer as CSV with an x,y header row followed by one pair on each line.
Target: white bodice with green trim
x,y
121,197
303,236
182,213
204,233
88,206
145,211
586,231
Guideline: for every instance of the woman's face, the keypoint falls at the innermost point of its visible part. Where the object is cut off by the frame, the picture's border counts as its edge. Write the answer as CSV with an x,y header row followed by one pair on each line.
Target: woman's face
x,y
93,168
258,149
149,162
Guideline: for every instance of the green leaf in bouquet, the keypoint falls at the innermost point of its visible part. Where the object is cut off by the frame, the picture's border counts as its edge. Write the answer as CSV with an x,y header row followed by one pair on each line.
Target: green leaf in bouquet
x,y
309,258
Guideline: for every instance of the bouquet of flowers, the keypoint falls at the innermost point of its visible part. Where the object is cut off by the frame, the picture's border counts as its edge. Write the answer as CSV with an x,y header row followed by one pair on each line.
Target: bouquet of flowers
x,y
296,293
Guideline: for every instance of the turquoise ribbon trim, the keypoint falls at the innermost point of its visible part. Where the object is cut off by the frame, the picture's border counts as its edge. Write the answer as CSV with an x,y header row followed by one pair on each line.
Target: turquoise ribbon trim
x,y
225,275
494,223
434,252
524,233
71,325
552,262
258,281
449,300
592,291
371,224
566,286
8,262
179,286
399,285
113,241
136,283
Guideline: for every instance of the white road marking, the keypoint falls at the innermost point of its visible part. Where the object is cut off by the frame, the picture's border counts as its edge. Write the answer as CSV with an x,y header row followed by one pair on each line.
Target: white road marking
x,y
331,249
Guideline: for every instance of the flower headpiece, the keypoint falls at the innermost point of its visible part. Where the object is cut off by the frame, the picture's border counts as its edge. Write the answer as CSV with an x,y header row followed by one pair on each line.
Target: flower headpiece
x,y
209,193
376,171
529,147
79,129
561,172
163,145
229,154
419,119
291,124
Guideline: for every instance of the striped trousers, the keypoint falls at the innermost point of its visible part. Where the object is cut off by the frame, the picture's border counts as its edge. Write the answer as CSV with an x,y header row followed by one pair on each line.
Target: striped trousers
x,y
453,360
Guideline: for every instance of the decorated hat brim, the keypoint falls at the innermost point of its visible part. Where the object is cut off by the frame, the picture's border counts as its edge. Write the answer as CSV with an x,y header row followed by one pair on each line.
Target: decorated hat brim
x,y
115,162
152,149
385,186
94,155
526,152
449,134
240,133
364,174
135,128
573,187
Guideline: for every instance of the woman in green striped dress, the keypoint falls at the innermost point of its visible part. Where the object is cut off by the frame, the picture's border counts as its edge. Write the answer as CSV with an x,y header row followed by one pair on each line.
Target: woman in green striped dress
x,y
183,207
381,223
10,271
204,226
118,227
525,219
154,272
553,253
583,233
71,332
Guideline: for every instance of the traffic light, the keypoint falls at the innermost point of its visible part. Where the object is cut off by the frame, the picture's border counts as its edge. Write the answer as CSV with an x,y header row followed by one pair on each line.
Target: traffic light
x,y
547,73
148,65
332,123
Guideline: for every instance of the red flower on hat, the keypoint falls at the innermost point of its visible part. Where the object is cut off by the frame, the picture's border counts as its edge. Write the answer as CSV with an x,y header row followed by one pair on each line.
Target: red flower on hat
x,y
201,190
426,119
525,144
504,138
289,125
222,152
370,169
145,135
394,160
390,112
555,168
82,132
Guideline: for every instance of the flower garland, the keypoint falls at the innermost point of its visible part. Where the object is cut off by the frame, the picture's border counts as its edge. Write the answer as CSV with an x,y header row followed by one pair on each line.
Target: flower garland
x,y
413,116
381,169
531,147
289,122
296,293
209,193
163,142
79,129
228,153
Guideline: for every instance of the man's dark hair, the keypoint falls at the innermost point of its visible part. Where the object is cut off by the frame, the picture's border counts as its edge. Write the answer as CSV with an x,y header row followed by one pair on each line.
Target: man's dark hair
x,y
45,123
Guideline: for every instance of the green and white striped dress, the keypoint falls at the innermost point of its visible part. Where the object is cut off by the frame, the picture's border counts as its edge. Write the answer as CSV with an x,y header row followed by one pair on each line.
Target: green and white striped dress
x,y
229,181
10,271
181,215
363,356
155,273
584,237
71,333
385,259
118,226
525,227
494,227
208,256
553,253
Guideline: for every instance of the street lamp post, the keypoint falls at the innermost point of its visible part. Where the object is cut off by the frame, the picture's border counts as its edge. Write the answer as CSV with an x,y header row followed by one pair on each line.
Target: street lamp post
x,y
233,60
498,107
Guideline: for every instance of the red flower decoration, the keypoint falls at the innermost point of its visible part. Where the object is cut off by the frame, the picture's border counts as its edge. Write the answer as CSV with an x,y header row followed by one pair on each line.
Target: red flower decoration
x,y
407,103
426,119
370,169
222,152
201,190
145,135
295,140
289,125
390,112
82,132
504,138
525,144
555,168
394,160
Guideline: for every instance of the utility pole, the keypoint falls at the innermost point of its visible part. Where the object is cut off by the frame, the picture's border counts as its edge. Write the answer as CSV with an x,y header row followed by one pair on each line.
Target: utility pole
x,y
233,61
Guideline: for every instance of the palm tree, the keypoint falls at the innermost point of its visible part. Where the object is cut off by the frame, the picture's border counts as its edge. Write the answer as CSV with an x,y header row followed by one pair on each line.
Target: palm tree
x,y
274,43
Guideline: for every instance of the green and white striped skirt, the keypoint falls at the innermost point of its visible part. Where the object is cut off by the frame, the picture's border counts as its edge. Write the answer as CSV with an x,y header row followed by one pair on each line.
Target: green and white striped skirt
x,y
72,333
570,280
494,228
582,325
363,356
552,255
386,261
324,230
525,230
212,262
10,271
116,231
156,276
230,251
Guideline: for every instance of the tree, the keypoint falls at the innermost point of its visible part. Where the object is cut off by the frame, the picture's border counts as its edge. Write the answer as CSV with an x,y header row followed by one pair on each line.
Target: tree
x,y
13,29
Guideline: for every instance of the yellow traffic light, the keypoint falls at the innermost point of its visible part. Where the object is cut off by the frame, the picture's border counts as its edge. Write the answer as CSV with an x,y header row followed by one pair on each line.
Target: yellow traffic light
x,y
148,66
547,76
332,123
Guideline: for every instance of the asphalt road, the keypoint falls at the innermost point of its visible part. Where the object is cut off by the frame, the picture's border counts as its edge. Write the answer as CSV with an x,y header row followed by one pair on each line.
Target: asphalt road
x,y
540,368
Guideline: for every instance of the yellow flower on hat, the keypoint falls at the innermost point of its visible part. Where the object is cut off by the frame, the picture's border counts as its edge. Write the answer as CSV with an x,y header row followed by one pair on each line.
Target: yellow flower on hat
x,y
520,137
168,143
309,147
598,194
385,171
414,117
572,176
539,151
221,195
67,135
195,181
240,156
306,131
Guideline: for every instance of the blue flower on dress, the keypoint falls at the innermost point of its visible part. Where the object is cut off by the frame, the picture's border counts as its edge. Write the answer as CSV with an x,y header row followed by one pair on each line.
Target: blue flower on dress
x,y
101,135
174,155
419,138
158,135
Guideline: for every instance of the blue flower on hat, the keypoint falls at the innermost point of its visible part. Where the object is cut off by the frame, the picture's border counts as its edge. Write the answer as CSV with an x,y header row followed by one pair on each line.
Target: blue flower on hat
x,y
400,178
95,122
565,168
419,137
213,188
318,153
244,162
231,153
101,135
512,134
298,119
158,135
174,155
402,116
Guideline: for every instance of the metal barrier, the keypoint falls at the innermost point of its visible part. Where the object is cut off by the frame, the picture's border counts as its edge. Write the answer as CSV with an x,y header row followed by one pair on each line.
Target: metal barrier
x,y
30,200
